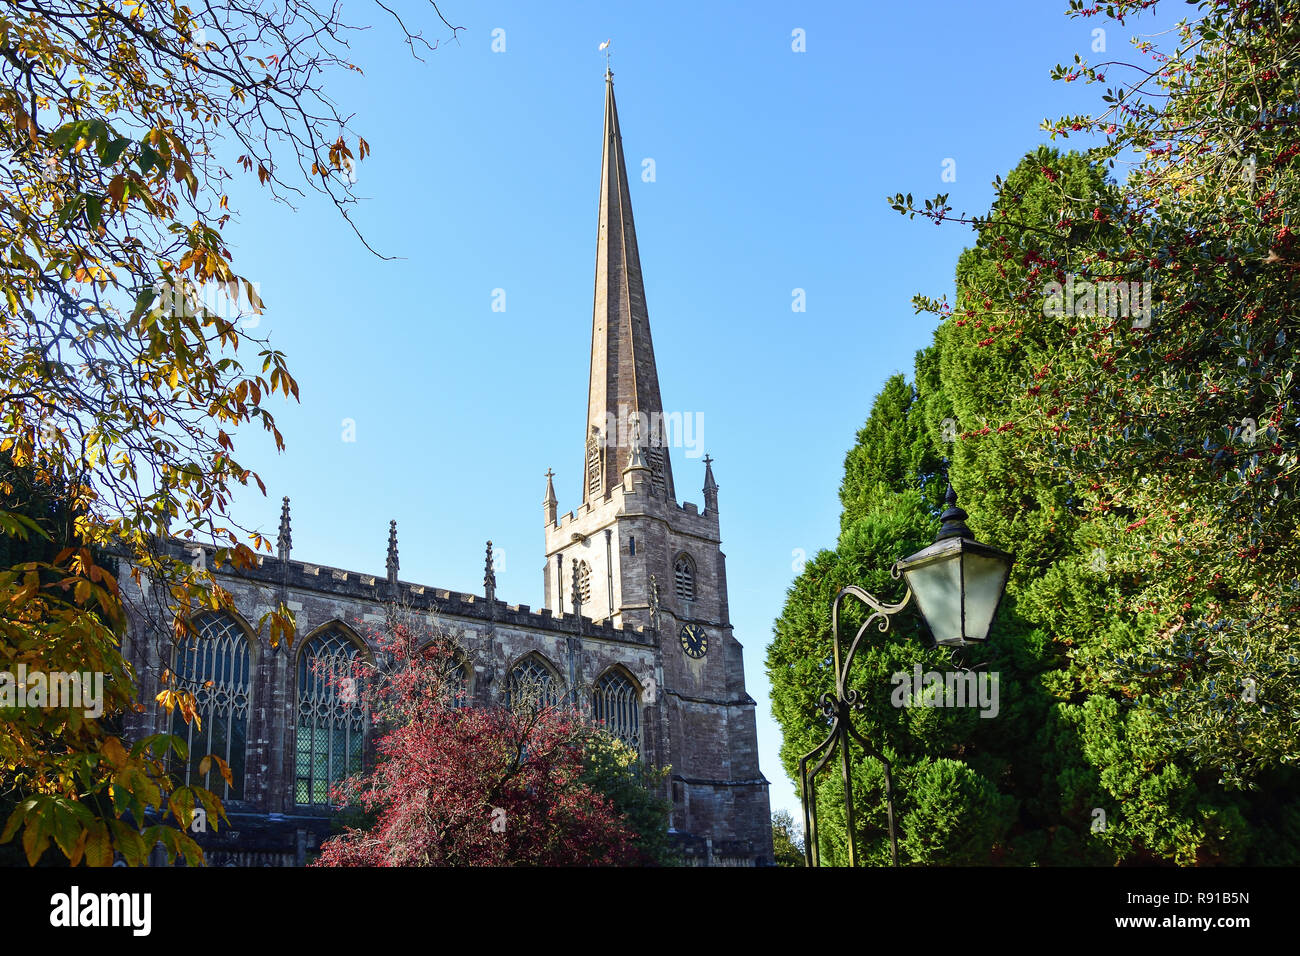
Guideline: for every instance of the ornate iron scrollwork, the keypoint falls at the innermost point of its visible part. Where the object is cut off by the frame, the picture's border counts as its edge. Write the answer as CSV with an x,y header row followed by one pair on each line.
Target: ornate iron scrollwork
x,y
837,706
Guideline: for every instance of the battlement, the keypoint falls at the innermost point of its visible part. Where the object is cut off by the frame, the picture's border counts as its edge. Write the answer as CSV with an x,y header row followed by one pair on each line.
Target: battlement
x,y
306,576
637,500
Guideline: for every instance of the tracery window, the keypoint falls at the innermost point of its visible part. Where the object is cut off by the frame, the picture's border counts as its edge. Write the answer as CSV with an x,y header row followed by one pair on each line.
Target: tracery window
x,y
616,703
213,665
331,718
684,578
533,683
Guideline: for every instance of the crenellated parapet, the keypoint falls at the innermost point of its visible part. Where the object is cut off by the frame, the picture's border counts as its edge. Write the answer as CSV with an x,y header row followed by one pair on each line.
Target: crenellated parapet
x,y
622,501
359,586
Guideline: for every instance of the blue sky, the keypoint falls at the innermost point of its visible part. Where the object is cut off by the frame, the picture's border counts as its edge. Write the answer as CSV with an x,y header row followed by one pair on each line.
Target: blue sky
x,y
772,169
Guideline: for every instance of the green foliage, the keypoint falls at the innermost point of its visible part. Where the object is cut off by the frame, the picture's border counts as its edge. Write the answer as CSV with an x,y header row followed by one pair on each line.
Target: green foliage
x,y
787,843
892,449
612,768
954,814
1142,466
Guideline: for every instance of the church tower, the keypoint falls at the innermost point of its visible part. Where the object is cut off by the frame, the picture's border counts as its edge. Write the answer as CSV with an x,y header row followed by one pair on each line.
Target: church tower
x,y
631,554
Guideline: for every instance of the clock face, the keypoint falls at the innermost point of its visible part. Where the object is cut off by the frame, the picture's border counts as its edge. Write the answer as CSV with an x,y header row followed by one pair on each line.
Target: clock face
x,y
695,642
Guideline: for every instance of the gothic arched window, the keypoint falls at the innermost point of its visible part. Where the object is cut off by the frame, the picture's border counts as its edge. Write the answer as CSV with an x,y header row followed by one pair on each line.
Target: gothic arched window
x,y
584,582
213,665
533,683
616,703
684,577
331,718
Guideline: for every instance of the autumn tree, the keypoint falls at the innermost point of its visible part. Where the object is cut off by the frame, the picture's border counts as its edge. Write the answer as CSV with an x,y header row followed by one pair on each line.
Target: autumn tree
x,y
475,786
121,384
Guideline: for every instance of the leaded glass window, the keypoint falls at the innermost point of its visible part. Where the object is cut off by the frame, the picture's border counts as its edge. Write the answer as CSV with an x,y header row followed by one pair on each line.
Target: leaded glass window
x,y
533,682
213,665
331,718
684,577
616,703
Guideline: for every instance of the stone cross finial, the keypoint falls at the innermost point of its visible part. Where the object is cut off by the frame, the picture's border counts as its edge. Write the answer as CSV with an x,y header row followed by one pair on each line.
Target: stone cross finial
x,y
710,487
489,576
284,542
550,504
392,553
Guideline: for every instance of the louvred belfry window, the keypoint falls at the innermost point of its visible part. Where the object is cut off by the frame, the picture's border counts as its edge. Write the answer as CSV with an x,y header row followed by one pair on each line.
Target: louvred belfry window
x,y
684,578
654,458
593,463
584,582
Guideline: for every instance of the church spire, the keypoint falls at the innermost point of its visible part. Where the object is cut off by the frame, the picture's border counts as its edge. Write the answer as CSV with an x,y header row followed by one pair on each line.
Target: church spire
x,y
624,381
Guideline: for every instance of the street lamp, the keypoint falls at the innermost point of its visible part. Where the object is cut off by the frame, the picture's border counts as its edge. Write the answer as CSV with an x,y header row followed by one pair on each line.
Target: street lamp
x,y
958,583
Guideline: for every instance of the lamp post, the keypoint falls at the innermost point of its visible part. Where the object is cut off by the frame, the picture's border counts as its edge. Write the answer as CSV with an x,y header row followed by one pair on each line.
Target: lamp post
x,y
958,584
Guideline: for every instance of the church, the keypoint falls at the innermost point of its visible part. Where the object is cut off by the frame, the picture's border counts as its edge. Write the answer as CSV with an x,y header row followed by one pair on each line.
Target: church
x,y
635,624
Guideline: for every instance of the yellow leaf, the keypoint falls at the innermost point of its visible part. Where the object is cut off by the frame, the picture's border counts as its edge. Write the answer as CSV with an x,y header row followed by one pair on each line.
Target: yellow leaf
x,y
99,847
112,749
79,848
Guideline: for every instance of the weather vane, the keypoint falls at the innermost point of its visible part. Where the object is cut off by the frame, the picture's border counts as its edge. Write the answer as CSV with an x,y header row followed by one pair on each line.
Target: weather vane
x,y
604,47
